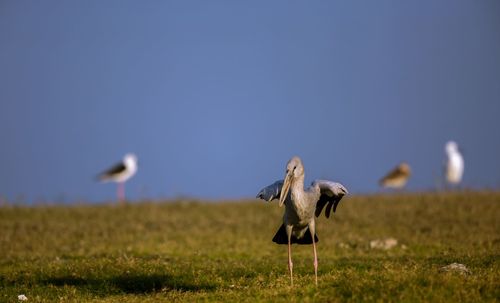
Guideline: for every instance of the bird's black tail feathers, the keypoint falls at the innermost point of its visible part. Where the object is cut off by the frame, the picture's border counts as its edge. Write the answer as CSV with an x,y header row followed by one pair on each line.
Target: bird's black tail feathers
x,y
281,238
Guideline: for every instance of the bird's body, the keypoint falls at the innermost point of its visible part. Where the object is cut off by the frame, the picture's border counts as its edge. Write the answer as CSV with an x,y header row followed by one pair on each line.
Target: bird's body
x,y
397,177
120,173
299,213
454,167
301,207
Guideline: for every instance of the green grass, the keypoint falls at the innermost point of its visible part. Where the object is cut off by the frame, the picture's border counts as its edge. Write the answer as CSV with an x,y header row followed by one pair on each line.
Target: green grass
x,y
194,251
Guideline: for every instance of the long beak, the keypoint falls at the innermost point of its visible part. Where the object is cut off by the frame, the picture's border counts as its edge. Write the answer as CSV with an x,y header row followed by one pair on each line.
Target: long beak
x,y
286,187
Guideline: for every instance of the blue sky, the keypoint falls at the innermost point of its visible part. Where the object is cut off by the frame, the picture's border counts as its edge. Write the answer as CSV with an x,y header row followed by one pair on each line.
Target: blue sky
x,y
215,96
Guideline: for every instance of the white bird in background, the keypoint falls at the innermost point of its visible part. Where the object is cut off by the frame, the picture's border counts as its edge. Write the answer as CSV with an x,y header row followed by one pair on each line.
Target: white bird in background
x,y
454,167
301,206
120,173
397,177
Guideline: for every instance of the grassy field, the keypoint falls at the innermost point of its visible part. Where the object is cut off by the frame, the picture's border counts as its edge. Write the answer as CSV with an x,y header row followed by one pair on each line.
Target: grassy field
x,y
193,251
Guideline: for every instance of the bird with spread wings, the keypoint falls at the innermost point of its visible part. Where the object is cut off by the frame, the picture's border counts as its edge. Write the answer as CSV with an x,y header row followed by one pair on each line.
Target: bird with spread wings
x,y
301,208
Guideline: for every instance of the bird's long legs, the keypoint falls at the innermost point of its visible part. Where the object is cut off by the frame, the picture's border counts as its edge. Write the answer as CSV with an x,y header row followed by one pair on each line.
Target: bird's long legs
x,y
120,192
290,264
315,262
312,229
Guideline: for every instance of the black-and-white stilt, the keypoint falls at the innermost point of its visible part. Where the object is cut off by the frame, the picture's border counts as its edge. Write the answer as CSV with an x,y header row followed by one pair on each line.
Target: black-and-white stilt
x,y
120,173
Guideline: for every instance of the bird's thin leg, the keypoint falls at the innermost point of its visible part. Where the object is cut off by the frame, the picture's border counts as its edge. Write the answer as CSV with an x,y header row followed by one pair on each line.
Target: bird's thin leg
x,y
313,232
290,264
121,192
315,262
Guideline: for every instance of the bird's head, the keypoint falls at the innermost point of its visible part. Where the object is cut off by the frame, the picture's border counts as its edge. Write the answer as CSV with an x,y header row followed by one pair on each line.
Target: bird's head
x,y
404,168
130,160
294,170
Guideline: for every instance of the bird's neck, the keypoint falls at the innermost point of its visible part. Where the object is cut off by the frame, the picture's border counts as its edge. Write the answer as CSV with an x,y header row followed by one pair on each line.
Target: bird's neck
x,y
297,188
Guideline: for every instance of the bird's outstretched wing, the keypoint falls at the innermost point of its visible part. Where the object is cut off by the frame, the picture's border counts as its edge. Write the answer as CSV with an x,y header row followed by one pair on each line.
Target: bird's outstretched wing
x,y
331,194
271,192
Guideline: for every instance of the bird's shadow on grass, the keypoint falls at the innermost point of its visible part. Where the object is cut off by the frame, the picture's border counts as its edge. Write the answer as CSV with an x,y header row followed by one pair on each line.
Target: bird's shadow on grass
x,y
129,284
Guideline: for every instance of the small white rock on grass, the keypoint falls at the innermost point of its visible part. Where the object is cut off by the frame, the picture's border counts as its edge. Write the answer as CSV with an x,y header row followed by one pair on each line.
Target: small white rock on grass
x,y
344,245
384,244
456,267
22,298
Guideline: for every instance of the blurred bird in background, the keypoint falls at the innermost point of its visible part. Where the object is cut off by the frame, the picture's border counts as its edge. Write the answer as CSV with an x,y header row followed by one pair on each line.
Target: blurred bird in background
x,y
397,177
454,166
120,173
